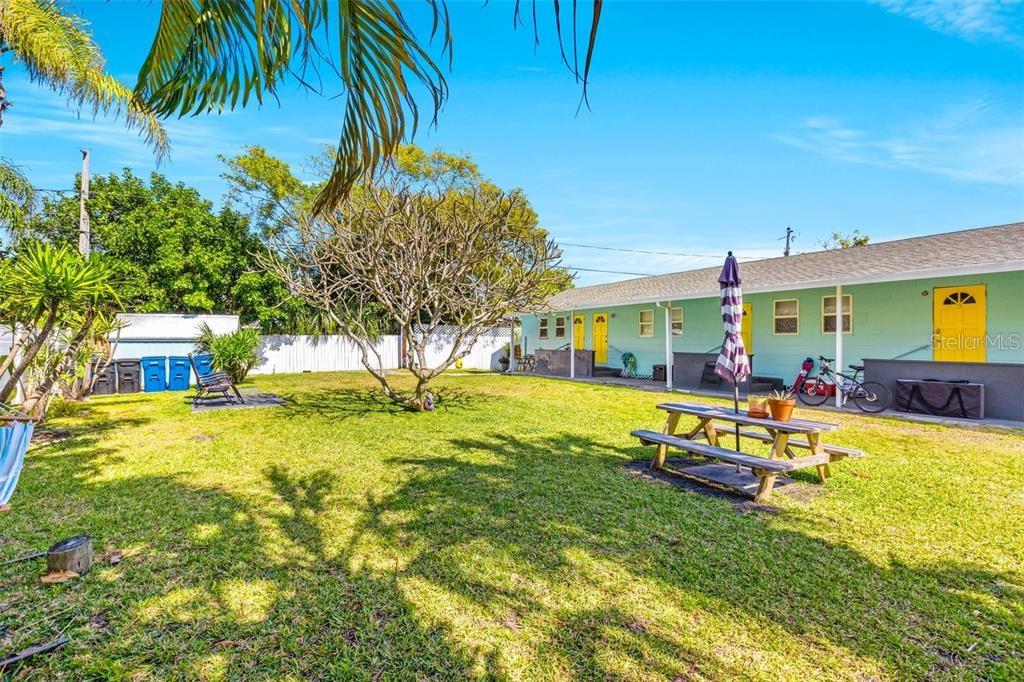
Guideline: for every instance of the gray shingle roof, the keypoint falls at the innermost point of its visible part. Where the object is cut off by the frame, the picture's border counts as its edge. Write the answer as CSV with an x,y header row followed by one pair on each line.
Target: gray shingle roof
x,y
977,250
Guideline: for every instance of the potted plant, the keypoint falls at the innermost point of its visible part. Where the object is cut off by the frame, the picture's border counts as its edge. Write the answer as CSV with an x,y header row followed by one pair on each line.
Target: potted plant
x,y
503,360
781,404
757,406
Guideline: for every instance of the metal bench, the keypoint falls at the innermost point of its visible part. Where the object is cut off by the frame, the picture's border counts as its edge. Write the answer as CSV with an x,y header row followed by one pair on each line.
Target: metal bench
x,y
765,469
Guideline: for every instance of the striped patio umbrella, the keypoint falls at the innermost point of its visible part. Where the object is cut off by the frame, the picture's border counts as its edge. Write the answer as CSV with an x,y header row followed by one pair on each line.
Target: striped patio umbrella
x,y
733,364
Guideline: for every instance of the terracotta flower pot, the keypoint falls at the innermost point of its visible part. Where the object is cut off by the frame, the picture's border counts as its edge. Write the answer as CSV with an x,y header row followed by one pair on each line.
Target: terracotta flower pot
x,y
782,410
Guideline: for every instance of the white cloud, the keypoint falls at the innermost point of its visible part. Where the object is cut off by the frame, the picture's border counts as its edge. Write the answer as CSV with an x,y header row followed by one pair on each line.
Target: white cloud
x,y
956,144
971,19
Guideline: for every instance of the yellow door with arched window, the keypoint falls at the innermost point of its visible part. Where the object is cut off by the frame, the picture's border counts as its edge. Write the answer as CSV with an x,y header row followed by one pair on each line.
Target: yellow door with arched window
x,y
579,332
959,316
600,337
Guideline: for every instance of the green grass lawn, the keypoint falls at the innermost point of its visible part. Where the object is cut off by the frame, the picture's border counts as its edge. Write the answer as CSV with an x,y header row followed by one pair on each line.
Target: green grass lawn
x,y
501,537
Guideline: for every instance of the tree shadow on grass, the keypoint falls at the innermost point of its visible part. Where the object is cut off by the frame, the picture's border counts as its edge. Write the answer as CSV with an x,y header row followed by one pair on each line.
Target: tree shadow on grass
x,y
556,508
349,403
208,584
250,585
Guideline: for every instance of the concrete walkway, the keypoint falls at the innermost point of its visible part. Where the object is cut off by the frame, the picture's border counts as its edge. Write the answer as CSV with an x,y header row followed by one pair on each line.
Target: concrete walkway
x,y
659,387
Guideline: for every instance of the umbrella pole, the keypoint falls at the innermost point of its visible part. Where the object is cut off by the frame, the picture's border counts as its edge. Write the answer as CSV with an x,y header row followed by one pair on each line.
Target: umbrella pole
x,y
736,407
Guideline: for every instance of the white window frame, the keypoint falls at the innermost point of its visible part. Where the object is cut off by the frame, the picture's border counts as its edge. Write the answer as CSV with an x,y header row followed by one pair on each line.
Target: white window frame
x,y
847,310
776,316
641,324
677,325
542,328
560,327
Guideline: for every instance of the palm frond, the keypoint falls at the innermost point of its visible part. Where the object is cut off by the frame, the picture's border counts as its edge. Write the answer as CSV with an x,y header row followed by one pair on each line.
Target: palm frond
x,y
17,196
212,55
58,51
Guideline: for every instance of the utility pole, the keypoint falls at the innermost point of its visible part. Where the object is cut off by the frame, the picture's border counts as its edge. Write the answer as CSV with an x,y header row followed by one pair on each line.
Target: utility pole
x,y
83,213
788,238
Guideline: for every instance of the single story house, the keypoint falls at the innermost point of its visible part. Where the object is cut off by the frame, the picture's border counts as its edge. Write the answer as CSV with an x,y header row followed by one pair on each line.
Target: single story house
x,y
940,306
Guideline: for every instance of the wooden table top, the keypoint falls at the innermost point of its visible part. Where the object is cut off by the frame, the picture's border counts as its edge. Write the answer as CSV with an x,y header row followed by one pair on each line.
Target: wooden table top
x,y
741,417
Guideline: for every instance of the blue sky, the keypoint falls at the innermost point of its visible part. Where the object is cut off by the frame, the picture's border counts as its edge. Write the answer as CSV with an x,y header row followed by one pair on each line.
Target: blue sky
x,y
712,126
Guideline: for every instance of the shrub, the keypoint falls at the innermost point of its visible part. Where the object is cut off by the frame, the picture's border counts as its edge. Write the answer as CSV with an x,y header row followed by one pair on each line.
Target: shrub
x,y
234,353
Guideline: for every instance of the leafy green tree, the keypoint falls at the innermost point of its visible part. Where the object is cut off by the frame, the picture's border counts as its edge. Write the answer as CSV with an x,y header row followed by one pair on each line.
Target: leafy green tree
x,y
171,250
274,197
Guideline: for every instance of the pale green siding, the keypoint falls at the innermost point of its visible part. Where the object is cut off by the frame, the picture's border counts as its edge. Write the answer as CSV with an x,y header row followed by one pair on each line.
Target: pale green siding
x,y
890,320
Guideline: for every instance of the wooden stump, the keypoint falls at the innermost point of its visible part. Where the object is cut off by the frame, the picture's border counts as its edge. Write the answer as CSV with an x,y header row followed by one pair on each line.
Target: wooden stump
x,y
73,554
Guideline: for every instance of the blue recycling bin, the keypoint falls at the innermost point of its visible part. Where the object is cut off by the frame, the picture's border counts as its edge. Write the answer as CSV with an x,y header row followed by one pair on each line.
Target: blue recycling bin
x,y
204,363
154,373
178,373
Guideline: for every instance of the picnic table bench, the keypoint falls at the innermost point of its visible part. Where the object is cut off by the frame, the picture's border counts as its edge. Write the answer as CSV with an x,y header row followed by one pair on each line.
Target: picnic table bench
x,y
703,440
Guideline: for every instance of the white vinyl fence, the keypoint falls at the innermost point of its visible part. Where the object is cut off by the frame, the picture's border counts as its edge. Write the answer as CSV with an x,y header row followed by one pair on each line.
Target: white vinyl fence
x,y
286,354
281,354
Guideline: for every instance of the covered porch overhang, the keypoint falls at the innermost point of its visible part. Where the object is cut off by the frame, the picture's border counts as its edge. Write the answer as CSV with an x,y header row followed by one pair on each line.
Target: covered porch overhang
x,y
665,305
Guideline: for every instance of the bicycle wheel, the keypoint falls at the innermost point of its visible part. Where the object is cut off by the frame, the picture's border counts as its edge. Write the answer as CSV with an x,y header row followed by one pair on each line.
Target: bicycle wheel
x,y
872,396
812,397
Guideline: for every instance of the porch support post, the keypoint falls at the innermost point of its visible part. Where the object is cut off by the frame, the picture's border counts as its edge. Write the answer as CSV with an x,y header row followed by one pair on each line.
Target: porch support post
x,y
511,343
572,344
839,339
668,345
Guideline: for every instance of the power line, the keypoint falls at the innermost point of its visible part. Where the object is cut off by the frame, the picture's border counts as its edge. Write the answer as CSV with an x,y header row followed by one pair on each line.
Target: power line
x,y
612,272
656,253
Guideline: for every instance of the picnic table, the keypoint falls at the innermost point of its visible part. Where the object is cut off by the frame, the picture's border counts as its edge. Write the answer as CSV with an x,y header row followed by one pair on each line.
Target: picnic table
x,y
713,421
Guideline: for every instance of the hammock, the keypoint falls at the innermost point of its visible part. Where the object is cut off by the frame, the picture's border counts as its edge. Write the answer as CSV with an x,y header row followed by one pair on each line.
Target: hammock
x,y
15,434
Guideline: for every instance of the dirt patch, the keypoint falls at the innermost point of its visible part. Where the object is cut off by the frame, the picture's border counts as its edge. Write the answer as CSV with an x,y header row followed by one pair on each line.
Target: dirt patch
x,y
804,492
641,469
47,436
800,492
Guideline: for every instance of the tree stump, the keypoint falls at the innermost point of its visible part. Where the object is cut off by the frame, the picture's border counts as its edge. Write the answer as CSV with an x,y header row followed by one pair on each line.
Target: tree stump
x,y
73,554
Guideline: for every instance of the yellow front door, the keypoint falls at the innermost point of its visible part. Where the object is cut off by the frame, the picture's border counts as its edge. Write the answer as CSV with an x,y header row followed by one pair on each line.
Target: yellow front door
x,y
600,337
579,332
745,327
959,316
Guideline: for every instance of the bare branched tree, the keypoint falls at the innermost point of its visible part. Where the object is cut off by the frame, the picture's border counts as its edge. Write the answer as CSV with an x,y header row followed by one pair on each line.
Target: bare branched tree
x,y
420,258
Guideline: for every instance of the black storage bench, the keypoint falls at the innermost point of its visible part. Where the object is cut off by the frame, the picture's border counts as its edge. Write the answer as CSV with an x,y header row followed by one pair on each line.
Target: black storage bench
x,y
941,398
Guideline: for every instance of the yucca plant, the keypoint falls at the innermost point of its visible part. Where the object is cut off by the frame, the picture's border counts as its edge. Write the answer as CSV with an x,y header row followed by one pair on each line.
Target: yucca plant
x,y
234,353
46,282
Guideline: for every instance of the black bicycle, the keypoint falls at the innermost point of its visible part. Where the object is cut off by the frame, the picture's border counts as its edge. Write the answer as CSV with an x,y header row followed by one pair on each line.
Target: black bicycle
x,y
869,396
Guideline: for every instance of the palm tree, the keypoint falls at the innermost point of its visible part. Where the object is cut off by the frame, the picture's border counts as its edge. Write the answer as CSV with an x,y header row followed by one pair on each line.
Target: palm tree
x,y
57,51
211,55
17,196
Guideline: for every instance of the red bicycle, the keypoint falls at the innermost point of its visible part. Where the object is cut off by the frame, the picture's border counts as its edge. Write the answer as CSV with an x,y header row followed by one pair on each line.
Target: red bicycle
x,y
869,396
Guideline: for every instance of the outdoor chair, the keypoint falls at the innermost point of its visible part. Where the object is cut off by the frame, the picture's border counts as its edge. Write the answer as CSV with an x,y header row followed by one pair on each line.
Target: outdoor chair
x,y
211,383
524,363
709,377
